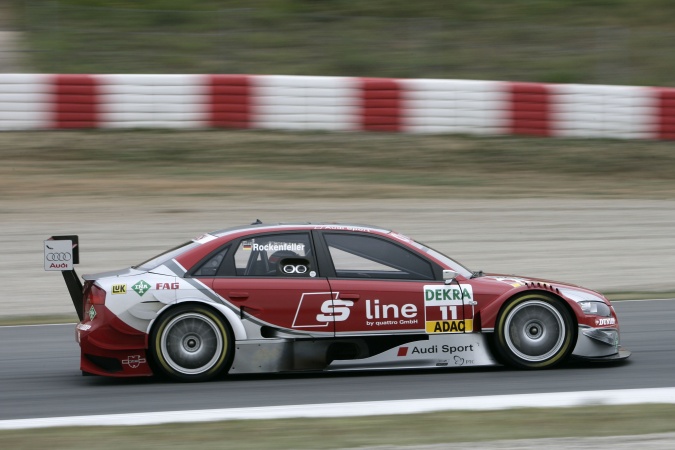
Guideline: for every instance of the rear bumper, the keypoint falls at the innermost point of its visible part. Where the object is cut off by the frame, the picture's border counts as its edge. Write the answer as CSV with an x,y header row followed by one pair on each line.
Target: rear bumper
x,y
110,347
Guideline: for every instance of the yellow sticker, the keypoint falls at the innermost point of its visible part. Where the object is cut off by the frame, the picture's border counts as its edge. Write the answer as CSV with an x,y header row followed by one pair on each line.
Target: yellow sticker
x,y
119,288
450,326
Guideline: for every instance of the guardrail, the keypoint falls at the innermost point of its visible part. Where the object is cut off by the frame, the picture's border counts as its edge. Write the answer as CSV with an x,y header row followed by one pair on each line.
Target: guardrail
x,y
44,101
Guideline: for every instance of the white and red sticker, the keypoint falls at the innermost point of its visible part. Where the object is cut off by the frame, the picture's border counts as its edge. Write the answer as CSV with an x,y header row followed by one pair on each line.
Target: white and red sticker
x,y
444,308
331,309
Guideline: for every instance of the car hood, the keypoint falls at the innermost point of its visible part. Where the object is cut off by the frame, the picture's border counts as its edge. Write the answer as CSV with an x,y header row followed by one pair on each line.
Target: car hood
x,y
515,281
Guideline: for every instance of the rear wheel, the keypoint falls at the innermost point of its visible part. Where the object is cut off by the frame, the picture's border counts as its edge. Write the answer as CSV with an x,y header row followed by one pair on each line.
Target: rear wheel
x,y
191,343
534,331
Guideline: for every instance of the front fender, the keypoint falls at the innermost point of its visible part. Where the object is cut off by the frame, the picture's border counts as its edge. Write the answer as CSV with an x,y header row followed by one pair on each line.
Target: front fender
x,y
488,315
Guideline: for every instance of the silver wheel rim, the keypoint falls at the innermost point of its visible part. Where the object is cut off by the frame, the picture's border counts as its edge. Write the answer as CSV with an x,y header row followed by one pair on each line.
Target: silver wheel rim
x,y
535,331
191,343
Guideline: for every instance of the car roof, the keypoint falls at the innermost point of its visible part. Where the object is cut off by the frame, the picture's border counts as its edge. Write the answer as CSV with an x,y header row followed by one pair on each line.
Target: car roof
x,y
298,226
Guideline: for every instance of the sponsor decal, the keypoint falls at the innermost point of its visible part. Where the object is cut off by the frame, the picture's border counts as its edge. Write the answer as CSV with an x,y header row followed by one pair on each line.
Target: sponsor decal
x,y
444,308
390,314
447,295
343,228
605,321
133,361
319,309
58,255
141,287
335,311
434,350
450,326
170,286
92,312
119,289
459,361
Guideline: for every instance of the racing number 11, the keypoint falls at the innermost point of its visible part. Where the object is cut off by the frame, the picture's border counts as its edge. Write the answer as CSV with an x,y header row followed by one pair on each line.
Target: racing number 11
x,y
444,312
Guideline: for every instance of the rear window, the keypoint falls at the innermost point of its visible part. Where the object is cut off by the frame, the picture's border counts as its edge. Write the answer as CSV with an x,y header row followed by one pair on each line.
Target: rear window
x,y
166,256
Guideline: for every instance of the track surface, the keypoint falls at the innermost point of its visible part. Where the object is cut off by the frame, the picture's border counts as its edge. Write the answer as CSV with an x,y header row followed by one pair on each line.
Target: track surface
x,y
39,376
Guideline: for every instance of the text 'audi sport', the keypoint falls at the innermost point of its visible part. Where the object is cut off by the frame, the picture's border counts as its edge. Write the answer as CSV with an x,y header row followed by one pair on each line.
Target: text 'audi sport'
x,y
322,297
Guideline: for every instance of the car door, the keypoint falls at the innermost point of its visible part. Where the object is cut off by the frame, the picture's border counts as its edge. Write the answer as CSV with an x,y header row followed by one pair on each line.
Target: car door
x,y
382,283
274,281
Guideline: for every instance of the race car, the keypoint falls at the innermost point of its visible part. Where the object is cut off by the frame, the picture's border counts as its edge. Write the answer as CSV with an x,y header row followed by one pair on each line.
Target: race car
x,y
322,297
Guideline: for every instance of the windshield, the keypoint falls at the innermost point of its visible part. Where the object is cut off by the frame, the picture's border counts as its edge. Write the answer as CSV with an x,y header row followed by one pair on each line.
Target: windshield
x,y
458,267
166,256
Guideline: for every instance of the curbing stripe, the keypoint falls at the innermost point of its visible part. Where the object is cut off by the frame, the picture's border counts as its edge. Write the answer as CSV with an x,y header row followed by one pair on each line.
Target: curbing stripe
x,y
393,407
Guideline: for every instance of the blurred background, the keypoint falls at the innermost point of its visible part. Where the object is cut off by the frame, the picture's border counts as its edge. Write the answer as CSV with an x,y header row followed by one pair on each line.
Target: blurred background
x,y
561,41
597,212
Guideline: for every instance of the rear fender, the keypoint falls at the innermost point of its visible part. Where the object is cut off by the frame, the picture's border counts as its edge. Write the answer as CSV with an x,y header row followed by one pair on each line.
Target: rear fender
x,y
229,315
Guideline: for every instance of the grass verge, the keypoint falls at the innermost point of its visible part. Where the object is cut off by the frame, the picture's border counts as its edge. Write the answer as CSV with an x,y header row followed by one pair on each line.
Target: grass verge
x,y
329,165
408,430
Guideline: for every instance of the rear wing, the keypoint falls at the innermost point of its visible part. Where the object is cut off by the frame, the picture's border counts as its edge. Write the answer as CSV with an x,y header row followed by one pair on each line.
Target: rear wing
x,y
61,254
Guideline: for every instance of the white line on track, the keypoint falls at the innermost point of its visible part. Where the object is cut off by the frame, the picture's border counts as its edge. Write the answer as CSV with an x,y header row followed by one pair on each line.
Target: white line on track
x,y
493,402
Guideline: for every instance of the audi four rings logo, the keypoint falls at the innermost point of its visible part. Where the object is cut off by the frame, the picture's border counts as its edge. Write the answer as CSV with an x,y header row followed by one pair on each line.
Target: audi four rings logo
x,y
295,269
61,256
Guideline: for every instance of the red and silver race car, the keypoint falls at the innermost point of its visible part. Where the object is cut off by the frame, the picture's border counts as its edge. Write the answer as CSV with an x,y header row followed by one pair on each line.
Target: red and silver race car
x,y
328,297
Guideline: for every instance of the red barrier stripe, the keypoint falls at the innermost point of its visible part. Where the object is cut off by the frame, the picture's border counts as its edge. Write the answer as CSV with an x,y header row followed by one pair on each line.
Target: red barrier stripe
x,y
529,109
666,113
380,104
76,101
230,101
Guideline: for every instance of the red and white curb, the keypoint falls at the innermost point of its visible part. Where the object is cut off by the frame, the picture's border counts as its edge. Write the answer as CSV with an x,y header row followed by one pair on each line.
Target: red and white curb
x,y
355,409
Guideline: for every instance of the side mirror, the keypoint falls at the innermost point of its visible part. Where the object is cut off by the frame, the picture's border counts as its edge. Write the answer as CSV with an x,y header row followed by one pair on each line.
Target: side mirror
x,y
449,276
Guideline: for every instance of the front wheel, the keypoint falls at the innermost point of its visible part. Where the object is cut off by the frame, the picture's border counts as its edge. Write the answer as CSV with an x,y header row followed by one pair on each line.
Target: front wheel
x,y
534,331
191,343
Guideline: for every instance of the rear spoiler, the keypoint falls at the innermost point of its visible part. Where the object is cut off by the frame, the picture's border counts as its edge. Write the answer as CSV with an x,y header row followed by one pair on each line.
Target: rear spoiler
x,y
61,254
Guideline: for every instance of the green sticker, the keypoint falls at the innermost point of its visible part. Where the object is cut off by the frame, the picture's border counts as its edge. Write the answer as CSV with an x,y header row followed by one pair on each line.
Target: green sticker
x,y
141,287
92,313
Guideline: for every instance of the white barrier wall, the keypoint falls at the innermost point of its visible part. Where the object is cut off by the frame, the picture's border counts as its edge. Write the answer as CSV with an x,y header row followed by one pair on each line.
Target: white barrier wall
x,y
152,101
39,101
25,101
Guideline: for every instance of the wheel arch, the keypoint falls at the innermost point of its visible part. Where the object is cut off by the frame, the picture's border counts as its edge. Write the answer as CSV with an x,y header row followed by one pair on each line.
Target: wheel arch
x,y
490,314
223,311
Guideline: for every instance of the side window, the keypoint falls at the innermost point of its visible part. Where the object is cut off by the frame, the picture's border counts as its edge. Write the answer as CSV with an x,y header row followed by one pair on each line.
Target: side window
x,y
211,265
283,255
360,256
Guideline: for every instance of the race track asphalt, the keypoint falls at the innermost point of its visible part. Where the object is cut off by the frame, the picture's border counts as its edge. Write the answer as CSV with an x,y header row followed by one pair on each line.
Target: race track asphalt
x,y
39,376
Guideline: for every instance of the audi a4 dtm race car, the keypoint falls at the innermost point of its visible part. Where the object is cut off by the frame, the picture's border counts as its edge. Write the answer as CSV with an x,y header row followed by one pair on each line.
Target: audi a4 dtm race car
x,y
325,297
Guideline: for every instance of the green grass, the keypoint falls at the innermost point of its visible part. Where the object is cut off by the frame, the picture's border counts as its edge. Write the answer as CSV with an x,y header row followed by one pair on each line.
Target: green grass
x,y
601,41
408,430
330,165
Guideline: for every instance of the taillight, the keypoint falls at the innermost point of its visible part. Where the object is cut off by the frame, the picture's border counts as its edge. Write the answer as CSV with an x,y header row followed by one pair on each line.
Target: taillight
x,y
96,295
93,295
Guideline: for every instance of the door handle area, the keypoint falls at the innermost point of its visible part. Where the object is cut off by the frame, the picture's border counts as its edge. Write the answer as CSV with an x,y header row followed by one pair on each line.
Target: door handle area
x,y
239,295
349,296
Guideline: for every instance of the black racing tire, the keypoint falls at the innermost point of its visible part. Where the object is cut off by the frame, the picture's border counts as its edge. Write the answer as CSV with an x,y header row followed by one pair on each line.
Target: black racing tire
x,y
191,343
534,331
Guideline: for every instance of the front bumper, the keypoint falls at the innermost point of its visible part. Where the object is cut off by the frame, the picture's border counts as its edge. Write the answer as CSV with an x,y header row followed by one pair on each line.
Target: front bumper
x,y
599,344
